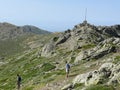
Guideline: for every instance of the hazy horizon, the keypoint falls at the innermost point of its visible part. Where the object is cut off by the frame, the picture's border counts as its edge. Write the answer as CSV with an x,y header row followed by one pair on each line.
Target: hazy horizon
x,y
53,15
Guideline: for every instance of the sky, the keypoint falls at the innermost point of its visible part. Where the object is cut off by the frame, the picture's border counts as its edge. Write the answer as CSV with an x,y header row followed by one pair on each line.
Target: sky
x,y
59,15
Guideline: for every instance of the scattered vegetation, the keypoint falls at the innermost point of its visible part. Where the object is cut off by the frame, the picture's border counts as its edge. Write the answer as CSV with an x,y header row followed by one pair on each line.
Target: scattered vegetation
x,y
100,87
116,59
55,39
47,67
78,86
88,46
72,60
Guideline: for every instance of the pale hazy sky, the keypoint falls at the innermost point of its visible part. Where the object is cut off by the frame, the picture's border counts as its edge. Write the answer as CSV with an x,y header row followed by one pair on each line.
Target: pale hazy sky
x,y
59,15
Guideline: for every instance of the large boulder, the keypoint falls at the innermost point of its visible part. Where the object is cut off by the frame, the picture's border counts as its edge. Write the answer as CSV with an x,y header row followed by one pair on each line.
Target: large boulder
x,y
110,32
106,49
47,49
80,79
71,44
106,69
117,29
68,87
115,79
62,38
102,49
95,77
115,75
90,78
82,55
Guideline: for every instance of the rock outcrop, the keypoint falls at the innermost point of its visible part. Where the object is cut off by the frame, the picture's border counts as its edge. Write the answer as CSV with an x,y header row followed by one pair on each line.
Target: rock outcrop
x,y
101,39
47,49
107,71
103,48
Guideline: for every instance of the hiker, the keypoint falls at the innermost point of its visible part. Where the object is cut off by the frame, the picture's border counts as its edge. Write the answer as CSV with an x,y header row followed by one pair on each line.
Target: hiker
x,y
18,81
67,67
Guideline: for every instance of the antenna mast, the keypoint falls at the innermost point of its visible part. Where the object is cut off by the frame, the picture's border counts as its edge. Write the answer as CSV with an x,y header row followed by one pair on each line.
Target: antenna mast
x,y
85,14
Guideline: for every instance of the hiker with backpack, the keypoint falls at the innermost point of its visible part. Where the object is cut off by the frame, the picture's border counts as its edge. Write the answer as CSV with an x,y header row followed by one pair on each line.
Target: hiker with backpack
x,y
18,81
67,67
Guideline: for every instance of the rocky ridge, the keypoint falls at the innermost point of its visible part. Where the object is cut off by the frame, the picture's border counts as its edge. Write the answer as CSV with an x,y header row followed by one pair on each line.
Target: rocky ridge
x,y
85,35
89,43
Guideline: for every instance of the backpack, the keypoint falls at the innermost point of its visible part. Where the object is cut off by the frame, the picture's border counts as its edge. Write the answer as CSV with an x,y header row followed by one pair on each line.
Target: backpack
x,y
68,66
19,79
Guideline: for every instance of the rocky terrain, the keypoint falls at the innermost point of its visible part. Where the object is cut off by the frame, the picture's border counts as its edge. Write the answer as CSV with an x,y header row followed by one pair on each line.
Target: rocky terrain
x,y
92,51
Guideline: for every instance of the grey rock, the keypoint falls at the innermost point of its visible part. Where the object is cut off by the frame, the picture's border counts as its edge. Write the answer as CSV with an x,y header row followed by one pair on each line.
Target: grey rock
x,y
47,49
68,87
62,38
80,79
93,79
97,76
82,55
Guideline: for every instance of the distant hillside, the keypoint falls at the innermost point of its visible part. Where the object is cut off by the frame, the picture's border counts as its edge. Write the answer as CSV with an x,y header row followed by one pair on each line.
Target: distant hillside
x,y
15,39
33,29
10,31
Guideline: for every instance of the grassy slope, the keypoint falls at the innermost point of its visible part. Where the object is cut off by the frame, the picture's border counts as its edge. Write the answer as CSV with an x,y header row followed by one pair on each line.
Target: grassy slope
x,y
25,63
13,46
38,72
10,47
32,69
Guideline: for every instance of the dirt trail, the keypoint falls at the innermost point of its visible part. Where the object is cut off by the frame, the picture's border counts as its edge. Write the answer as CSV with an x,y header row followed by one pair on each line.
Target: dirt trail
x,y
57,85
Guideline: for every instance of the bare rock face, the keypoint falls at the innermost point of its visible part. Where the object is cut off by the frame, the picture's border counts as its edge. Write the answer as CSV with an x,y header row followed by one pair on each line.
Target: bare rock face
x,y
68,87
115,79
93,79
106,71
81,79
104,39
103,48
90,78
62,38
115,75
47,49
81,56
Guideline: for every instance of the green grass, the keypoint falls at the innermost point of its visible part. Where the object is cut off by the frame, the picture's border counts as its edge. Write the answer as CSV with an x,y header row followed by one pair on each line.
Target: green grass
x,y
116,59
78,86
20,44
59,72
28,88
47,67
27,67
55,39
10,47
88,46
100,87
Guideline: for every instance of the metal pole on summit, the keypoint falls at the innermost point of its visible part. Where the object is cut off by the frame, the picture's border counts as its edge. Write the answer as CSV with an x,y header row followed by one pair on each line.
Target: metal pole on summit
x,y
85,14
85,21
